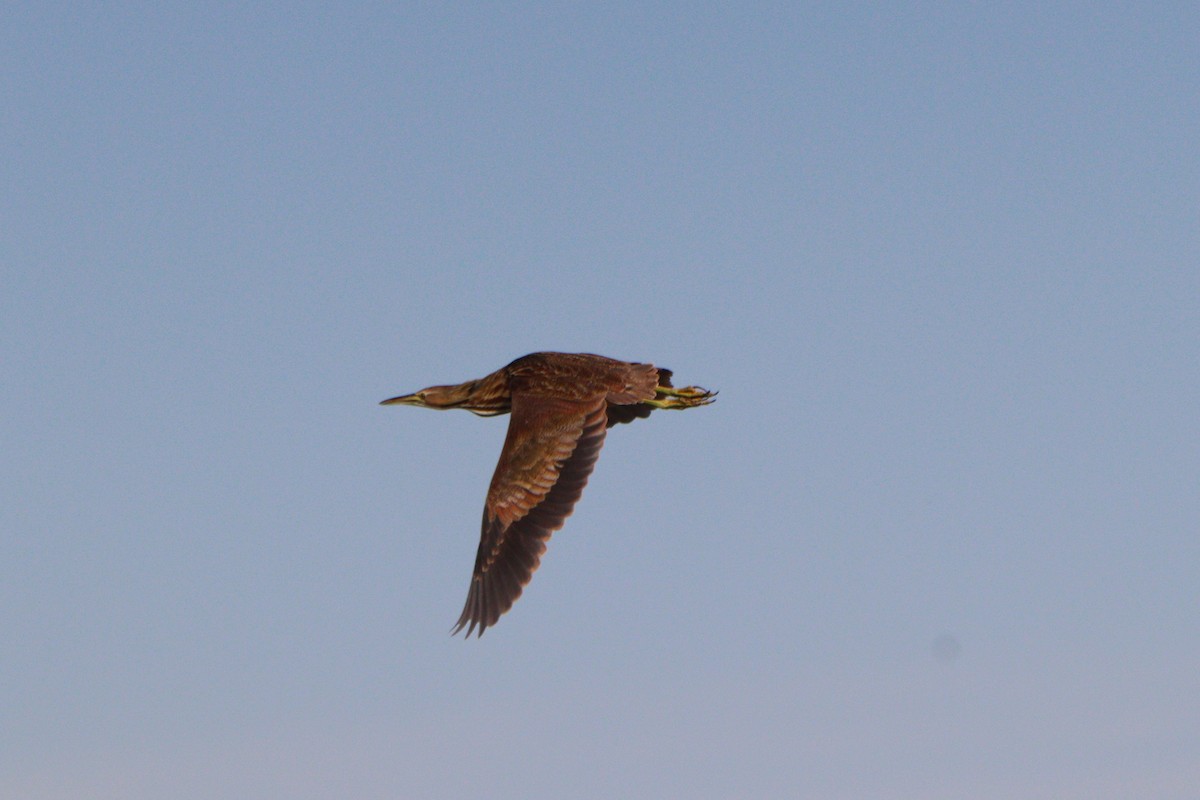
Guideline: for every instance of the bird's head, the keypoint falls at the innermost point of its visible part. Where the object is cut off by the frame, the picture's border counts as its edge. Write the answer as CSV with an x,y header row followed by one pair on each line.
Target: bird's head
x,y
433,397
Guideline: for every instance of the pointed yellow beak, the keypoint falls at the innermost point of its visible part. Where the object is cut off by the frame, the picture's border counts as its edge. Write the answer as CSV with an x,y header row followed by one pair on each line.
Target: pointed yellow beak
x,y
404,400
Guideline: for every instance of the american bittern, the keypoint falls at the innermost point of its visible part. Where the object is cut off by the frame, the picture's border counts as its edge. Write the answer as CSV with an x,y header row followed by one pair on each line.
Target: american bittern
x,y
561,404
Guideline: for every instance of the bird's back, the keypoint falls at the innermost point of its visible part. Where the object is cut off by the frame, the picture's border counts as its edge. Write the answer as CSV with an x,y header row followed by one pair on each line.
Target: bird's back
x,y
576,376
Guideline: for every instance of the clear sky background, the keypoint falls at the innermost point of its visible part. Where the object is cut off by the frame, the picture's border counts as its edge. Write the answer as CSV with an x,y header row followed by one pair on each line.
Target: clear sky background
x,y
938,538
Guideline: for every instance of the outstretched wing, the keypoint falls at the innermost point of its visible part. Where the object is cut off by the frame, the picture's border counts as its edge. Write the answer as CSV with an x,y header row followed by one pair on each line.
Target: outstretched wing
x,y
548,454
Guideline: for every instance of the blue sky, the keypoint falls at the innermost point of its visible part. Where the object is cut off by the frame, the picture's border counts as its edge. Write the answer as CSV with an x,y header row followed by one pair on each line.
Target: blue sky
x,y
936,539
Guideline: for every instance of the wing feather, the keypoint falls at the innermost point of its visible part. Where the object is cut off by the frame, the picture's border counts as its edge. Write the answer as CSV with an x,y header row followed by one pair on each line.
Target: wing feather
x,y
549,452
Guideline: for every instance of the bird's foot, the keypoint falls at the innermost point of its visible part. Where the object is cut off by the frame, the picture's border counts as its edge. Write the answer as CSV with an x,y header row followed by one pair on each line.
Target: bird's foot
x,y
687,397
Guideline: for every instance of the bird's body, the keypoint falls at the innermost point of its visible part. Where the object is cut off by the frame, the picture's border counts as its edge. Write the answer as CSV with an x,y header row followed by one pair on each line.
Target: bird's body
x,y
561,406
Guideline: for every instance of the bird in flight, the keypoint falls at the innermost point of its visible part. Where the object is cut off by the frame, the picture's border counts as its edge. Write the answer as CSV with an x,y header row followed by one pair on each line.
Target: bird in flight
x,y
561,404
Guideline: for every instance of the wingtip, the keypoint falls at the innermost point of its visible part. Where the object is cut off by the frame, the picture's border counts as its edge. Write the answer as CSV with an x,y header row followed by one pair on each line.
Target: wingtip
x,y
462,623
472,616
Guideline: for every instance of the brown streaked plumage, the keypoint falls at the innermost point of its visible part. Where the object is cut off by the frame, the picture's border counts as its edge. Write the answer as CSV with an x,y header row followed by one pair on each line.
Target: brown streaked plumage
x,y
561,405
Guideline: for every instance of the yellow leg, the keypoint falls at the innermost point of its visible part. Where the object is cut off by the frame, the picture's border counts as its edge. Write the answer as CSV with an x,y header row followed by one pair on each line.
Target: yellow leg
x,y
688,397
